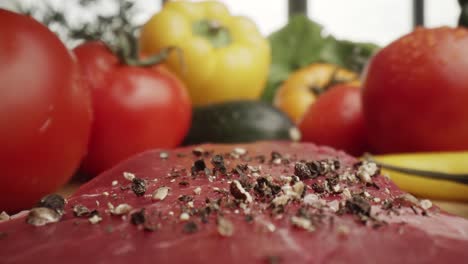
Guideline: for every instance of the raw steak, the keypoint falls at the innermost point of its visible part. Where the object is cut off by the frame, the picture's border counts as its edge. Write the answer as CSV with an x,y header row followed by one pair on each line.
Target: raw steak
x,y
268,202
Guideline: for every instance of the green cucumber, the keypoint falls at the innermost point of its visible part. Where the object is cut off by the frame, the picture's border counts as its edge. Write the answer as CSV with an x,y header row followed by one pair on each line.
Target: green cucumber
x,y
240,121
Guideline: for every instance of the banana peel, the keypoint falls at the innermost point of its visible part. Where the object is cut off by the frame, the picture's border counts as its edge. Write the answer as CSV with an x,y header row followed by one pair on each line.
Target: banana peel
x,y
448,163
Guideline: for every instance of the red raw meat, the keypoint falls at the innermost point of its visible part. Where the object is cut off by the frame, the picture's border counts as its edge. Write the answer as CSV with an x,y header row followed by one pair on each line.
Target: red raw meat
x,y
224,227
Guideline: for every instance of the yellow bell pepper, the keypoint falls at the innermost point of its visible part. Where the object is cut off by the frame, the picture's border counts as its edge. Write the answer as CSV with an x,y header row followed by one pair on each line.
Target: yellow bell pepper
x,y
445,162
224,57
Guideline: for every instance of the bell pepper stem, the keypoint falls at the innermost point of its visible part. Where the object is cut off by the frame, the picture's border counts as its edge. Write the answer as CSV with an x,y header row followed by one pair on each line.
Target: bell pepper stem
x,y
218,35
333,80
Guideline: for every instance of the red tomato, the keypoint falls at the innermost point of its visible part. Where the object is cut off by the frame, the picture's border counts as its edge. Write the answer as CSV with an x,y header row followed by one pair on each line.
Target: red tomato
x,y
135,109
415,95
336,120
45,112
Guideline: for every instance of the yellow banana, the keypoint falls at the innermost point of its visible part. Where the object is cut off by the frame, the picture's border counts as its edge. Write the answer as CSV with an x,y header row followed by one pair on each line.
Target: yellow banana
x,y
442,162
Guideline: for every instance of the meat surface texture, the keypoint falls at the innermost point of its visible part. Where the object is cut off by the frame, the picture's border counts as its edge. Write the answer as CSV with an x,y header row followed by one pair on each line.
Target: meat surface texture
x,y
267,202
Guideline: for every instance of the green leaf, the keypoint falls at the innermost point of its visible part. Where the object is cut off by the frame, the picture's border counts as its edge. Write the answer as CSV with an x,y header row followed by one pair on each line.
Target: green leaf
x,y
302,42
300,36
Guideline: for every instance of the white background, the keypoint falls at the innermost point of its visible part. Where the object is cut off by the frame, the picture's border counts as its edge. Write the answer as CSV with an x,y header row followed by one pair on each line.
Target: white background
x,y
378,21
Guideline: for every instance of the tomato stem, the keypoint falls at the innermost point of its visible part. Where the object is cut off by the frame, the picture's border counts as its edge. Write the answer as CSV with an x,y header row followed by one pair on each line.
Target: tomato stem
x,y
128,52
156,58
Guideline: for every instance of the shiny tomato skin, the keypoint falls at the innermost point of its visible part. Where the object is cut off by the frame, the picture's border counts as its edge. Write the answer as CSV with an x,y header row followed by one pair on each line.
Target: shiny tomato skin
x,y
45,112
96,61
415,93
135,108
336,120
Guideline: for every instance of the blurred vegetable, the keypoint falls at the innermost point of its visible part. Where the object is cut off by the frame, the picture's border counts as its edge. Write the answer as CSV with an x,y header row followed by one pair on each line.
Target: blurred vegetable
x,y
434,162
301,42
463,18
240,121
135,108
225,57
415,93
45,112
336,120
303,86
